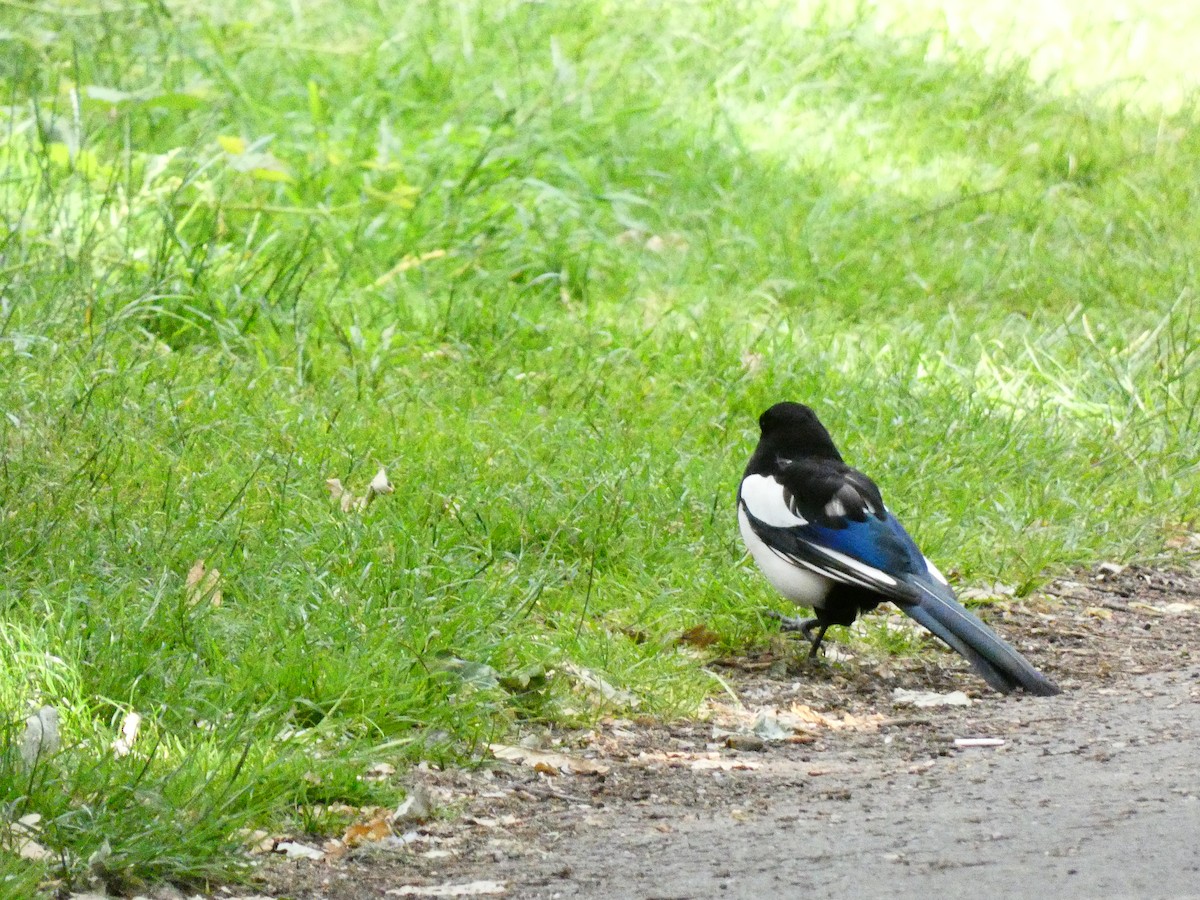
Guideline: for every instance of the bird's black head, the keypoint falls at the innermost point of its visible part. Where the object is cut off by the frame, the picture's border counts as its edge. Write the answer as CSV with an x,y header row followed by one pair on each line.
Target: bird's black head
x,y
792,430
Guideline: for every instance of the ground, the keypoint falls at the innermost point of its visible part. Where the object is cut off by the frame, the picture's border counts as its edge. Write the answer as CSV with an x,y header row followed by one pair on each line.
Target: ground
x,y
1091,793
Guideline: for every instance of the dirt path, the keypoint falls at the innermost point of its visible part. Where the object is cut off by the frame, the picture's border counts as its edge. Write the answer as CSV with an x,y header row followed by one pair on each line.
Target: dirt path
x,y
1094,793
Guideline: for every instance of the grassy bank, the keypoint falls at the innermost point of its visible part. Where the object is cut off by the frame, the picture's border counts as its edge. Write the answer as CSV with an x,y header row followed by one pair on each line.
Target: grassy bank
x,y
544,263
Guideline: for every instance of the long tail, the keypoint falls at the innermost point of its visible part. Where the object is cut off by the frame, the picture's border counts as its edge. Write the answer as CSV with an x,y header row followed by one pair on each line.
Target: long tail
x,y
999,664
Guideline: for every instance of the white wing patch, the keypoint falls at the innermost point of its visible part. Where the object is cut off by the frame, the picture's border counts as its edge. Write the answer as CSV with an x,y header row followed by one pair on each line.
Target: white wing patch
x,y
763,497
869,572
835,508
805,584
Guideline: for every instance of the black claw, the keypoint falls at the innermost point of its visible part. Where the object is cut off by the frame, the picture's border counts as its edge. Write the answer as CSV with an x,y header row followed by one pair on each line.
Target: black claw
x,y
792,623
804,626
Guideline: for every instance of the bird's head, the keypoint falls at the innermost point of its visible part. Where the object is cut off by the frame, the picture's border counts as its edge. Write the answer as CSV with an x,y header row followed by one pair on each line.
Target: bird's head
x,y
793,431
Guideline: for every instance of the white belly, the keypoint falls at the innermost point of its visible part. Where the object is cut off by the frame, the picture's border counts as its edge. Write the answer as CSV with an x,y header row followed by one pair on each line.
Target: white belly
x,y
793,582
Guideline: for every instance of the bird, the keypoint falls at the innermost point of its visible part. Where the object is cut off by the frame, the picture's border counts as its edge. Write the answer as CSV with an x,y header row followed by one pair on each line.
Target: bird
x,y
821,534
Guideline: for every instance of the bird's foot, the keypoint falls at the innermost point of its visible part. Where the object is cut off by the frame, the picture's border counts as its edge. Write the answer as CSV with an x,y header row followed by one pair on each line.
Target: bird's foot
x,y
804,626
793,623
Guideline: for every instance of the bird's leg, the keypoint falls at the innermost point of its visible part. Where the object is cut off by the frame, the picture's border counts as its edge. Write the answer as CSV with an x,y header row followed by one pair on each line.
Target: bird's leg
x,y
805,627
815,641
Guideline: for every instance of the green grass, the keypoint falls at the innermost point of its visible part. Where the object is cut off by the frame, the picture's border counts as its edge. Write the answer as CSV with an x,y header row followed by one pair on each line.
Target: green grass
x,y
545,263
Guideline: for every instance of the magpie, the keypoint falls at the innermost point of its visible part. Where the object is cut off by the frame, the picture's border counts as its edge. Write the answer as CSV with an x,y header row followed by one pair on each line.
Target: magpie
x,y
818,529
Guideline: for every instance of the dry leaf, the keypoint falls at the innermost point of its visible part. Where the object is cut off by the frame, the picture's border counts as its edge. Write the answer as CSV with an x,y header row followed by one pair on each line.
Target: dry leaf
x,y
1098,612
367,833
929,699
379,484
1184,541
697,761
505,821
699,636
380,772
334,849
768,727
553,762
996,591
203,584
752,362
349,502
809,716
296,850
598,685
725,765
258,841
470,889
130,726
1178,608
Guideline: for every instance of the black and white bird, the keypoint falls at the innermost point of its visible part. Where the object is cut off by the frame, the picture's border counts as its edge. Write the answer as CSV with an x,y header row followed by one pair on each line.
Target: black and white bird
x,y
820,532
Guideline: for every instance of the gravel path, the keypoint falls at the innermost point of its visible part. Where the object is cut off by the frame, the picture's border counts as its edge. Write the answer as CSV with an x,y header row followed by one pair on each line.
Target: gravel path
x,y
1095,793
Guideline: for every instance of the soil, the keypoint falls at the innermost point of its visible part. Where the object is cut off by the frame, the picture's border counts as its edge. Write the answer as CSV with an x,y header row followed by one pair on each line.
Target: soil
x,y
1092,793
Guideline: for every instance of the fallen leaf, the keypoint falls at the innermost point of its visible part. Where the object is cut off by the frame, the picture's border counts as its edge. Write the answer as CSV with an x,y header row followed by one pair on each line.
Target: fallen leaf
x,y
598,685
351,503
296,850
380,771
697,761
258,840
929,699
747,663
470,889
130,725
835,654
380,484
1098,612
995,591
334,849
368,832
752,362
768,726
1178,609
557,762
505,821
203,584
479,674
1184,541
699,636
808,715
